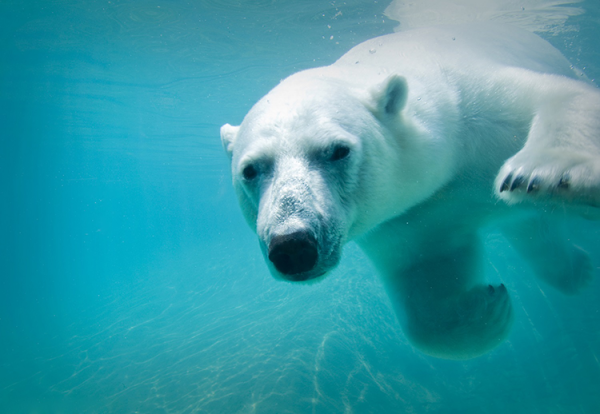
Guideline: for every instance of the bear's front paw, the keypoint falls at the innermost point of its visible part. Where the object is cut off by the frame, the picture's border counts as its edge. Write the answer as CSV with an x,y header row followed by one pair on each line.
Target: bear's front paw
x,y
464,326
487,310
555,174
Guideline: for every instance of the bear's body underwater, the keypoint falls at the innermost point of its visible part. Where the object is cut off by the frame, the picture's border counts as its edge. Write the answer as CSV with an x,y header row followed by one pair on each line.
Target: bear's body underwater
x,y
408,145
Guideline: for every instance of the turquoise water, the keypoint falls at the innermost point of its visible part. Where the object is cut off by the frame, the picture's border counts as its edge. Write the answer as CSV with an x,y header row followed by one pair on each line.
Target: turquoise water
x,y
129,281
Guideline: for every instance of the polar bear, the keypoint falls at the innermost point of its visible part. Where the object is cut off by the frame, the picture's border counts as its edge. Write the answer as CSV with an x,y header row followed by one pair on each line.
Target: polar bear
x,y
409,144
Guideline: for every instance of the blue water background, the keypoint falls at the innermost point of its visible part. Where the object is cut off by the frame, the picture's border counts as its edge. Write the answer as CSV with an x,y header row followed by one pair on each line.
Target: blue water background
x,y
129,281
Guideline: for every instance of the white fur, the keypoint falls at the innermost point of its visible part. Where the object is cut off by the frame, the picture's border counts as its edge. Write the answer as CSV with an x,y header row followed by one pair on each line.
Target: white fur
x,y
440,123
533,15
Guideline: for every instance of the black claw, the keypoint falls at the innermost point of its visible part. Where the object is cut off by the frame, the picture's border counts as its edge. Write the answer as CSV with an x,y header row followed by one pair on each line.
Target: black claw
x,y
563,183
517,182
534,185
506,183
502,287
491,289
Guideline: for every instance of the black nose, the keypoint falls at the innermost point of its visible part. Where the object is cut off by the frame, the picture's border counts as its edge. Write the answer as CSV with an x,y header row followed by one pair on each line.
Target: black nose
x,y
294,253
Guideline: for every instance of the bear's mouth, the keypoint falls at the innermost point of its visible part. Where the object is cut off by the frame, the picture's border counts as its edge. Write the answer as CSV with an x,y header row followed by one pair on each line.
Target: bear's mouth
x,y
303,277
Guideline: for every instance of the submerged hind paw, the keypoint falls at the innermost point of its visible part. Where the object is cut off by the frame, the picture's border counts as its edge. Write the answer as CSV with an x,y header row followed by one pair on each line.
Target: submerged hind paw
x,y
574,274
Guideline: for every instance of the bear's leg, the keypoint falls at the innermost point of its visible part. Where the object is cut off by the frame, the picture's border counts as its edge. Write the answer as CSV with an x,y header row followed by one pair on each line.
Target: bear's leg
x,y
561,157
443,310
543,244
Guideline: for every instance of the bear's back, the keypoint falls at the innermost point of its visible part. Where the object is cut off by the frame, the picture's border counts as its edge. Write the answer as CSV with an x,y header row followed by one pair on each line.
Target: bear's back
x,y
458,48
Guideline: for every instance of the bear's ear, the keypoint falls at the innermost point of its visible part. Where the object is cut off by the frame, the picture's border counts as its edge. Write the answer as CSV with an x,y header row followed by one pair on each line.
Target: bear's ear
x,y
228,136
390,96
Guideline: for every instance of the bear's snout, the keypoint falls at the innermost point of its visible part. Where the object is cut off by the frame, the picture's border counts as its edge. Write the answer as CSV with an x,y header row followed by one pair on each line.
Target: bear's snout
x,y
294,254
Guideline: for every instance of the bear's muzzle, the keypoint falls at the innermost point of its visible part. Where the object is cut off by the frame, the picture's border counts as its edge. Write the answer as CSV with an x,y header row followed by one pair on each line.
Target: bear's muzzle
x,y
294,254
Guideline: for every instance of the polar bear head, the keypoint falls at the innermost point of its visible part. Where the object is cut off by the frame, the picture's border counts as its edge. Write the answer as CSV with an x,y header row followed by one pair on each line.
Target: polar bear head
x,y
316,163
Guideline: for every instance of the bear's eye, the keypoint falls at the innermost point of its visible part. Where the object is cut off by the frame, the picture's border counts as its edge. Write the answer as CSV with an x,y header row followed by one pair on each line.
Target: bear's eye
x,y
249,172
340,152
